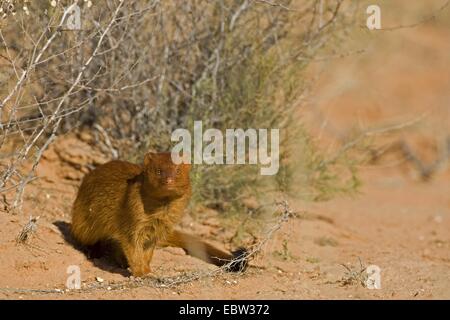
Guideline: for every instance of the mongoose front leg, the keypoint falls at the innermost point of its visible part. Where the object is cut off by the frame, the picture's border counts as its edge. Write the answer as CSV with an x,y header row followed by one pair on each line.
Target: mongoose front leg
x,y
138,257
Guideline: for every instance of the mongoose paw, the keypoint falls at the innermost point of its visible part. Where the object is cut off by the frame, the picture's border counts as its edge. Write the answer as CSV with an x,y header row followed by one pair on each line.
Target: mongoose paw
x,y
239,262
140,272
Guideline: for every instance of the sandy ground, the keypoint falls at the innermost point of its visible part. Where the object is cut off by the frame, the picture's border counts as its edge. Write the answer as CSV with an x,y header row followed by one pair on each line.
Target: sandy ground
x,y
396,222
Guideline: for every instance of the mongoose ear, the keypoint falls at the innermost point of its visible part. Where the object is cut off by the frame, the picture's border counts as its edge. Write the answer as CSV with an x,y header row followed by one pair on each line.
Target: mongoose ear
x,y
187,166
148,159
187,159
184,159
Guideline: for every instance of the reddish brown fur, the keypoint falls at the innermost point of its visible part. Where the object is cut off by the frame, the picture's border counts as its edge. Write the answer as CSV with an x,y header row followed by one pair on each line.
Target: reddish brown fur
x,y
137,207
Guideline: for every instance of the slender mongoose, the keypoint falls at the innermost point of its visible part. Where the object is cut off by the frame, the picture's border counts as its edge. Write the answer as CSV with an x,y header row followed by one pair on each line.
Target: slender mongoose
x,y
137,207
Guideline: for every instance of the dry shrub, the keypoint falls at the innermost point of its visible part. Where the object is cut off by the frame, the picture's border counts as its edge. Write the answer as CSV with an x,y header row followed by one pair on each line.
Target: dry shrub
x,y
137,70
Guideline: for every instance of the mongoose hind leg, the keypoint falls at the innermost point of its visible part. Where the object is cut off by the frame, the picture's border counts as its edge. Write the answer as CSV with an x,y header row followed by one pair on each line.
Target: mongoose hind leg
x,y
94,251
117,255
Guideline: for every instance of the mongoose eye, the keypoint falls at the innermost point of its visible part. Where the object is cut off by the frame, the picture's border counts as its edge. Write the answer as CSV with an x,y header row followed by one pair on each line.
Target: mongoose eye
x,y
177,171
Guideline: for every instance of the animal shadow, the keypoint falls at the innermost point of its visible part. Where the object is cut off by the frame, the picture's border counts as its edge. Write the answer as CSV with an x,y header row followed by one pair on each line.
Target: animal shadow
x,y
105,255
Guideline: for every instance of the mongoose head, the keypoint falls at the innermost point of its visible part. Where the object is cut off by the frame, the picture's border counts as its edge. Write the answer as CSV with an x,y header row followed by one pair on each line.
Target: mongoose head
x,y
164,177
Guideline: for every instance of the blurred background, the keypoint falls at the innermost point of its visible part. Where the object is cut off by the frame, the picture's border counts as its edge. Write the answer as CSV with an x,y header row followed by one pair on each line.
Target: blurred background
x,y
364,119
